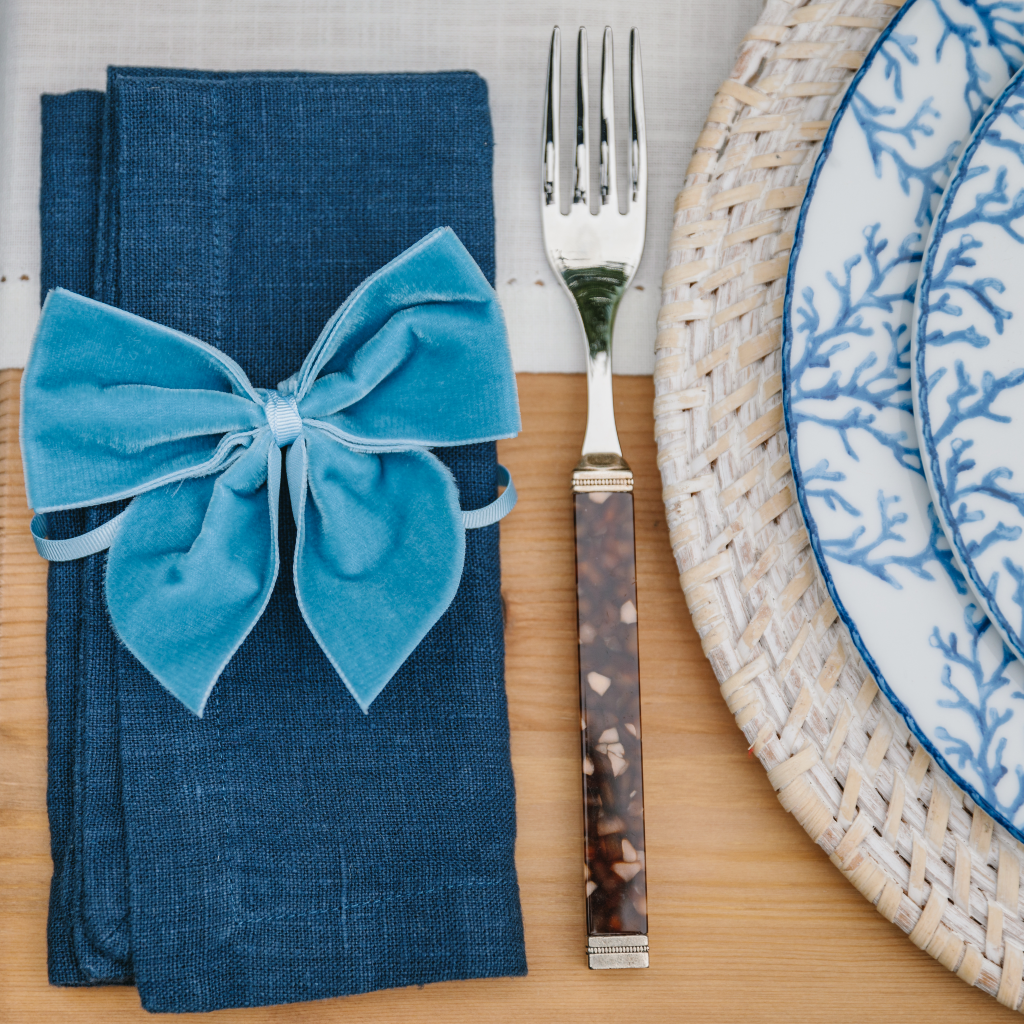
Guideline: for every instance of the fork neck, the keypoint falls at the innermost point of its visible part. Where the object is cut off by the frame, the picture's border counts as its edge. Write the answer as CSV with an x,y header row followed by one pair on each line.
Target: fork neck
x,y
601,436
597,292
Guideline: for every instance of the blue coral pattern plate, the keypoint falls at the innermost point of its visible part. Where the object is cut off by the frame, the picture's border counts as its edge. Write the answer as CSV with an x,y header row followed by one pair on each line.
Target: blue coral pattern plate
x,y
875,533
968,363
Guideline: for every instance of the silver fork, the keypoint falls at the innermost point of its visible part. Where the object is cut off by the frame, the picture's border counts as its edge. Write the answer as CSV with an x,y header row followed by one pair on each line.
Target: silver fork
x,y
595,255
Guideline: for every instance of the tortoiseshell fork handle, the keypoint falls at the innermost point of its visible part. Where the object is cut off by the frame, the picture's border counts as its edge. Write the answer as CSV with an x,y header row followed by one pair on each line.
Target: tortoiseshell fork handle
x,y
613,788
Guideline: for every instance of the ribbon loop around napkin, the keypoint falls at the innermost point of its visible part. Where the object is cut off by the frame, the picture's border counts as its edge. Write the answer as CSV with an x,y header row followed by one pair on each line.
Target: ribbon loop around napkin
x,y
283,416
114,406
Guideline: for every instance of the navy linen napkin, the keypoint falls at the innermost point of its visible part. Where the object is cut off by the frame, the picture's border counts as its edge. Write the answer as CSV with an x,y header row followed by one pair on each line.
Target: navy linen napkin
x,y
286,846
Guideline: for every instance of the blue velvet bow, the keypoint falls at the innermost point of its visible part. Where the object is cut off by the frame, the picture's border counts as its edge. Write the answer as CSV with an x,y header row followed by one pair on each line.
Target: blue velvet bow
x,y
115,406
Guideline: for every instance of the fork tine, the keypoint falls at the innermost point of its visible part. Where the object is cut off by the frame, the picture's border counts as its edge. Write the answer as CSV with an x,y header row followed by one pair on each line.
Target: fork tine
x,y
579,194
608,193
549,156
637,128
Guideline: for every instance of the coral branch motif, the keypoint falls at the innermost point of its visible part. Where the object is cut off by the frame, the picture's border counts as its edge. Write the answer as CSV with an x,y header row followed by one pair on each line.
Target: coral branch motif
x,y
872,384
1001,31
974,691
931,177
897,46
851,551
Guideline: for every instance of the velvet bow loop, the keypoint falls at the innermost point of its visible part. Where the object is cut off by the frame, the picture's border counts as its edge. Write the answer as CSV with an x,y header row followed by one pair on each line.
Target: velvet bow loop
x,y
114,406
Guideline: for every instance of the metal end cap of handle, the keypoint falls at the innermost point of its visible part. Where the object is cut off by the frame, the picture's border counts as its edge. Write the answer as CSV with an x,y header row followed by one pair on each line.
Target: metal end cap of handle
x,y
611,952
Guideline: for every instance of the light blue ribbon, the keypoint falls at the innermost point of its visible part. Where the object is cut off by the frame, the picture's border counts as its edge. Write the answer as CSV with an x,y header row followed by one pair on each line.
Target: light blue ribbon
x,y
114,406
103,536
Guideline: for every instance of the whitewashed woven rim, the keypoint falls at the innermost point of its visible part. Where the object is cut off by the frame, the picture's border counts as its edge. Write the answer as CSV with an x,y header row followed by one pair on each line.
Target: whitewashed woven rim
x,y
841,760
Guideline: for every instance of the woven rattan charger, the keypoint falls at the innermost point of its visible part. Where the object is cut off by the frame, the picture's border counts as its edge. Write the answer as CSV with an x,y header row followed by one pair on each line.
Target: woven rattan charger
x,y
842,762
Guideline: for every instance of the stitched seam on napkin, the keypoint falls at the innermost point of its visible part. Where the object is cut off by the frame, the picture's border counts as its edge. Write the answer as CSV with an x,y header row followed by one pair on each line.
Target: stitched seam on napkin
x,y
220,215
219,219
384,900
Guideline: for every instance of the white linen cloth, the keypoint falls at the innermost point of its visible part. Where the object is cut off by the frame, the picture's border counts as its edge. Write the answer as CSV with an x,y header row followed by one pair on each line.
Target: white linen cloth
x,y
687,46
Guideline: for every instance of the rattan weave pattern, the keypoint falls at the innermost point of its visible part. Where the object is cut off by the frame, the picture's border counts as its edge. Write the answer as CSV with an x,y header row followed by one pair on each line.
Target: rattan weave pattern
x,y
842,762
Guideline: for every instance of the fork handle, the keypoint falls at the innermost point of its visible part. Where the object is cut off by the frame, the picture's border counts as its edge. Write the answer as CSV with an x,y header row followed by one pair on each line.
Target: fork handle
x,y
615,875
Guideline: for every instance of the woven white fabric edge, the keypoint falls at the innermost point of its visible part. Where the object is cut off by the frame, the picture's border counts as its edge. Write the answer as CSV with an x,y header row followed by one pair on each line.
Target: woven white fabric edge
x,y
62,45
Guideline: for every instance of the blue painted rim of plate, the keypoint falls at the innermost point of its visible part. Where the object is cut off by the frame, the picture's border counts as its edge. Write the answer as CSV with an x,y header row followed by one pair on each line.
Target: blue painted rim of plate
x,y
812,532
920,380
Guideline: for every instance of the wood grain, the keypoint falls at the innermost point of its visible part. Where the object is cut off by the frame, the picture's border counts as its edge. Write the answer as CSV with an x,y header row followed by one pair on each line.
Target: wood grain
x,y
748,919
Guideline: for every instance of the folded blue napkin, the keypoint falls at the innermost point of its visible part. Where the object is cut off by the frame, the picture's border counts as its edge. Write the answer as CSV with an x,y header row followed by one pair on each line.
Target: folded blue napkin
x,y
286,846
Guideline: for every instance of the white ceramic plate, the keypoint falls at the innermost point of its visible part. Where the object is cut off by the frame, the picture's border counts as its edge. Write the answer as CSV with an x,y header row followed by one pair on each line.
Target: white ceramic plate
x,y
968,363
847,392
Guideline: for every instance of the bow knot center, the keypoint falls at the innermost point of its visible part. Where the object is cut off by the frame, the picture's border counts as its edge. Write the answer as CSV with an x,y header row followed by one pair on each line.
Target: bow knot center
x,y
283,416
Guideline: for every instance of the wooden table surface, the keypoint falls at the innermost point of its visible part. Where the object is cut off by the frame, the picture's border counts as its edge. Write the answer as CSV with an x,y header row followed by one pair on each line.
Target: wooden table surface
x,y
748,919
